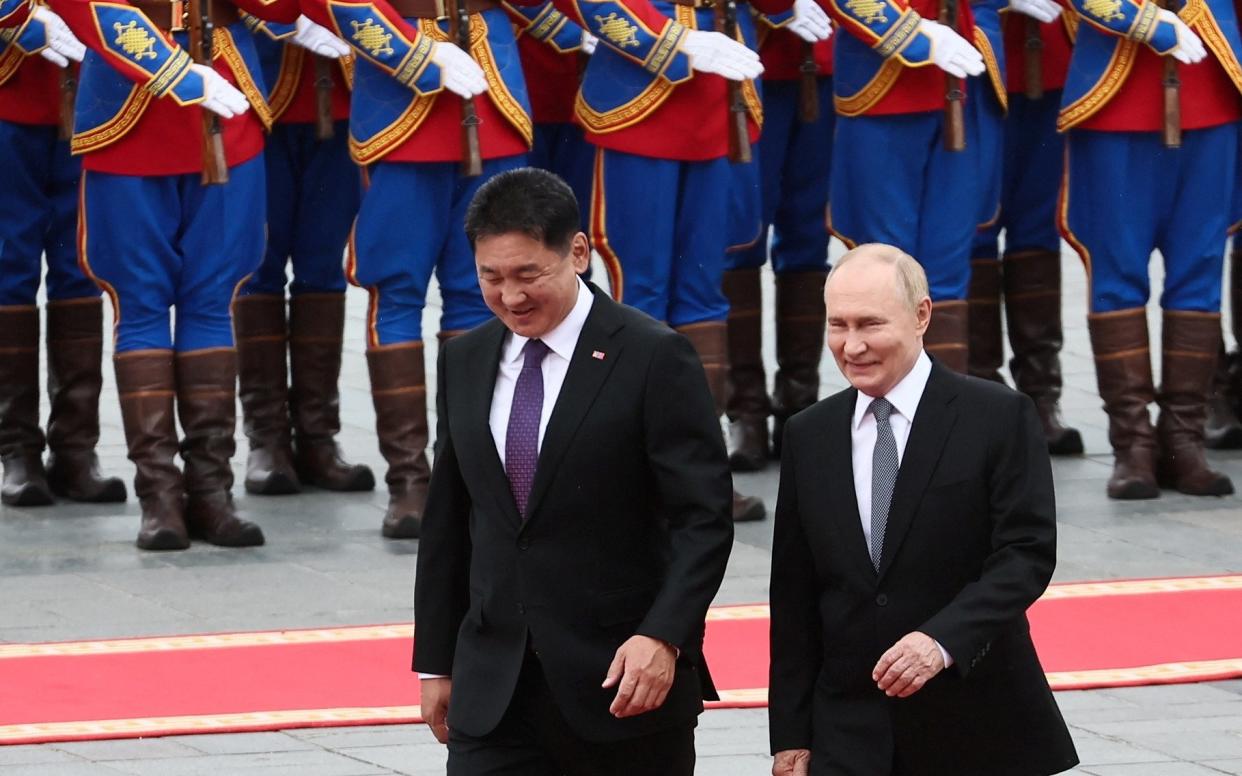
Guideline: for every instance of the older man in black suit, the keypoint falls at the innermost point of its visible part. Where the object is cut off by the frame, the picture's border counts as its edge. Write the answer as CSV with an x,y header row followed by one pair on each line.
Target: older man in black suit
x,y
915,525
578,521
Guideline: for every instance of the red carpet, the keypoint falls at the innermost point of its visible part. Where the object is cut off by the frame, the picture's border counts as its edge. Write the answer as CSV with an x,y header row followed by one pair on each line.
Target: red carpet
x,y
1105,634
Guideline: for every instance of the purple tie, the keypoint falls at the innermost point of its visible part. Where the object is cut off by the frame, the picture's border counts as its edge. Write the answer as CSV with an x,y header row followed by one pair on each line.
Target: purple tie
x,y
522,438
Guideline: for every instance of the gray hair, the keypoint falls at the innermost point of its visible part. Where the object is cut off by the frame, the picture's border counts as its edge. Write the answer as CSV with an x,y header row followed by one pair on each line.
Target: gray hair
x,y
911,280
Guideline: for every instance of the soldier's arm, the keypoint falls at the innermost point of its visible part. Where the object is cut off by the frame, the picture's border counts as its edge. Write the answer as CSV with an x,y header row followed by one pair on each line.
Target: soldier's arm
x,y
378,34
635,30
14,12
1128,19
889,27
545,24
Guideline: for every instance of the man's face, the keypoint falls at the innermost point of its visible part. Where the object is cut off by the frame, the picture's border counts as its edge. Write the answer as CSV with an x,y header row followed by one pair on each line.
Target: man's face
x,y
529,286
873,334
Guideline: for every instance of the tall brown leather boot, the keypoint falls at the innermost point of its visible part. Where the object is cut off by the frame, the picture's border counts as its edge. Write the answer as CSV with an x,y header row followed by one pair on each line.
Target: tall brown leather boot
x,y
260,332
21,440
1033,311
316,333
1123,372
1223,428
947,333
800,319
748,406
985,347
709,341
399,392
1191,340
207,408
74,380
146,384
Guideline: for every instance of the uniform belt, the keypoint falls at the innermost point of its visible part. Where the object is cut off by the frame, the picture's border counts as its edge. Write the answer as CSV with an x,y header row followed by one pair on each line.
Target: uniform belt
x,y
438,9
697,3
172,15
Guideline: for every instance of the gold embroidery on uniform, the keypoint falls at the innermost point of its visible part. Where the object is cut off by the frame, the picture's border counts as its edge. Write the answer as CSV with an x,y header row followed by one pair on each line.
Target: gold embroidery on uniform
x,y
619,31
871,11
1104,10
899,35
1144,26
1115,74
135,40
872,92
374,38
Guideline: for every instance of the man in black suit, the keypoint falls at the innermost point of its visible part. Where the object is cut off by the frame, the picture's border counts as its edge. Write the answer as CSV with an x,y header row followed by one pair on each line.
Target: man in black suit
x,y
915,524
578,520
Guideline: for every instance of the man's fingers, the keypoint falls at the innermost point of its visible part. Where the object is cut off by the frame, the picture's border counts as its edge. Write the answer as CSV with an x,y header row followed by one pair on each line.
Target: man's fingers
x,y
440,731
882,666
615,670
901,681
621,703
53,56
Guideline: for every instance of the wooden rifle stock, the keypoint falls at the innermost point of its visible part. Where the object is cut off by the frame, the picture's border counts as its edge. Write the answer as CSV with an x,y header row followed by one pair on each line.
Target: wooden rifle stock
x,y
1171,93
68,95
472,154
739,127
808,89
324,130
215,167
1033,59
955,90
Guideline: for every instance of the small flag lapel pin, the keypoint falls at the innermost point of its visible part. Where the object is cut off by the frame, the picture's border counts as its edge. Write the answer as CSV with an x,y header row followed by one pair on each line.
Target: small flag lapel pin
x,y
598,355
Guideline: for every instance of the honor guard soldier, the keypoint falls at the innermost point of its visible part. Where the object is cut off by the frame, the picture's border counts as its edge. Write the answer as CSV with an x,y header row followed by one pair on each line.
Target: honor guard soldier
x,y
427,153
159,228
905,171
794,162
313,191
1151,105
1223,429
38,70
1037,35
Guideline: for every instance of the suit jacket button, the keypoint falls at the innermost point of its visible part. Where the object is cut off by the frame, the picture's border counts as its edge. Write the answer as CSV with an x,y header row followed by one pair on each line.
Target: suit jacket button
x,y
881,600
524,544
521,608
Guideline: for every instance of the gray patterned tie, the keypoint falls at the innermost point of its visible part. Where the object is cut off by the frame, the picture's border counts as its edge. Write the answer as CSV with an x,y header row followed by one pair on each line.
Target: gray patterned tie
x,y
884,467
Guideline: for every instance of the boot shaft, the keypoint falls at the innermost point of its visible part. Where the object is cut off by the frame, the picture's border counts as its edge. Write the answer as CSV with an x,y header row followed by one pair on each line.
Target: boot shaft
x,y
399,393
316,334
986,346
946,335
207,409
1190,345
261,335
748,390
74,374
19,381
146,385
800,320
1033,312
1119,341
710,342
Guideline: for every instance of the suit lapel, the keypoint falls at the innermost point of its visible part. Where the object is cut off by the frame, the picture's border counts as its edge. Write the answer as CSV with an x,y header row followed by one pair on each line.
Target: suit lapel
x,y
482,368
932,424
586,375
840,482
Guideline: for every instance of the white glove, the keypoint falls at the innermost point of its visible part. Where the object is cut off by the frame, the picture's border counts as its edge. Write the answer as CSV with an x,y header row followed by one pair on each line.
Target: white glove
x,y
714,52
811,23
1040,10
461,74
950,51
1189,48
589,42
318,39
219,96
62,46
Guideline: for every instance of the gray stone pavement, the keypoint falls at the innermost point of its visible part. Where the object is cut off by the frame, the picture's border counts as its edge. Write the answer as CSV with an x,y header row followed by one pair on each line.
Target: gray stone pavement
x,y
71,572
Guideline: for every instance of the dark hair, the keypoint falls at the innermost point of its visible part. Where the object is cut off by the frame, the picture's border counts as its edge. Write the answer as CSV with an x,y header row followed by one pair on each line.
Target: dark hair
x,y
535,202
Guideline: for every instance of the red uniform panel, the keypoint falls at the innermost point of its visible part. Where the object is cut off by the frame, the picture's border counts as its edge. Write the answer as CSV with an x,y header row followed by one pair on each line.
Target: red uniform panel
x,y
552,80
32,94
438,139
1055,58
1209,98
782,53
304,108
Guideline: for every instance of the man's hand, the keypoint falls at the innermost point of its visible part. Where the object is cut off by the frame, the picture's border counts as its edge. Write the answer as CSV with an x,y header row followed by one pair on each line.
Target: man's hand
x,y
644,670
1189,48
1041,10
219,96
434,701
462,75
951,52
62,46
908,665
811,23
792,762
319,39
714,52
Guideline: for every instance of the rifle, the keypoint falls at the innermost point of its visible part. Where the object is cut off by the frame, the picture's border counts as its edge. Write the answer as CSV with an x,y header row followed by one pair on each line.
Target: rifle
x,y
459,31
1033,60
808,88
201,30
1171,85
954,118
739,129
323,98
68,96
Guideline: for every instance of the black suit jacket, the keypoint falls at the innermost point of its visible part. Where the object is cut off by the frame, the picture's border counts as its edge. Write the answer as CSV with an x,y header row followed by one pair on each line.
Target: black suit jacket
x,y
970,544
628,531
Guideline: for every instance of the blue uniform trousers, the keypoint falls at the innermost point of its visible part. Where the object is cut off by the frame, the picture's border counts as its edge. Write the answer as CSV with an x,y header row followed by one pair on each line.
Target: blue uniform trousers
x,y
313,192
1126,195
985,130
410,225
562,149
159,242
661,226
38,216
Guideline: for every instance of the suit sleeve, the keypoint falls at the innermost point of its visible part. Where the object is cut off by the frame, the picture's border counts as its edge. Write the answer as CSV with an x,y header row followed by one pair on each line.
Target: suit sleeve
x,y
442,582
889,27
1128,19
796,631
1022,508
379,35
685,451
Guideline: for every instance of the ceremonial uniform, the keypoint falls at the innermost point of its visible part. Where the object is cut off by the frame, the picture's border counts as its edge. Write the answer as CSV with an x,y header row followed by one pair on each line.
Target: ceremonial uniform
x,y
313,193
1175,200
155,237
1030,176
793,169
38,217
893,181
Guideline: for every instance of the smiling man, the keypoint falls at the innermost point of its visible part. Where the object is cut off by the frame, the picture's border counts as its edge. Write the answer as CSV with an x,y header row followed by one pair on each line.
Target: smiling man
x,y
915,525
578,521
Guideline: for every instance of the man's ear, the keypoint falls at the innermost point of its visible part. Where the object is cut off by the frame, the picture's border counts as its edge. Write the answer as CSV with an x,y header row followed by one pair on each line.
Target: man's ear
x,y
580,252
922,315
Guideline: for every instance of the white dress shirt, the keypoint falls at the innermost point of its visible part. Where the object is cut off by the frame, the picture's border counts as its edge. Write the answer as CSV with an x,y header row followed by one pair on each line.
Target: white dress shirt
x,y
905,397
